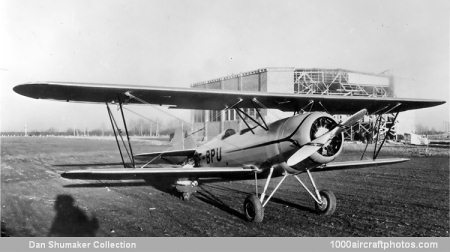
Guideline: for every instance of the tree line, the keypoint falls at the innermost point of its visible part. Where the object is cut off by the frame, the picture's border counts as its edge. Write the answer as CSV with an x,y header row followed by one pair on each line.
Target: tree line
x,y
139,127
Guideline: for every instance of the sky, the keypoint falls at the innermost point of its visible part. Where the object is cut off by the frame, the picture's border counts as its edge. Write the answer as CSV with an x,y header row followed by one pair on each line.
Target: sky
x,y
176,43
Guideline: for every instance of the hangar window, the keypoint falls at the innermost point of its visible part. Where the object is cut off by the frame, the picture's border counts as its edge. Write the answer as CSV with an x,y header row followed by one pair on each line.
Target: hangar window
x,y
230,115
199,116
215,115
296,88
250,111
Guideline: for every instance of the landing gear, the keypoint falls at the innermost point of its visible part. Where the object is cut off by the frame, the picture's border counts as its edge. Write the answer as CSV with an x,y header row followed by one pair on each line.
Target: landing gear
x,y
254,207
253,210
186,188
325,200
328,205
186,196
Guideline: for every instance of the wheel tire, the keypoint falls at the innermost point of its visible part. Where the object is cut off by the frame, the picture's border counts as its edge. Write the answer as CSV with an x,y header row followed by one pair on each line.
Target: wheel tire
x,y
253,210
329,203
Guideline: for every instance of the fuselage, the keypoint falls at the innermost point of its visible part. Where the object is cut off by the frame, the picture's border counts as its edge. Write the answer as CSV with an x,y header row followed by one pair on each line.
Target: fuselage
x,y
265,148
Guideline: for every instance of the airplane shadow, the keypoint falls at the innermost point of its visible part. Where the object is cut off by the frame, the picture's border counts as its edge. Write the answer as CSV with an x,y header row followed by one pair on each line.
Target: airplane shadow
x,y
273,199
158,185
107,184
206,196
293,205
70,220
5,232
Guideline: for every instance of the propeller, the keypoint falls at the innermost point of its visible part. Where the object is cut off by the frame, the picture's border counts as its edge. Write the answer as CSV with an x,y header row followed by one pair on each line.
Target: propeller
x,y
310,148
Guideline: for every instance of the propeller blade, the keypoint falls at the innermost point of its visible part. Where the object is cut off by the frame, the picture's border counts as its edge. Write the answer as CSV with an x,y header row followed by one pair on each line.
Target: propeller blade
x,y
354,118
310,148
302,154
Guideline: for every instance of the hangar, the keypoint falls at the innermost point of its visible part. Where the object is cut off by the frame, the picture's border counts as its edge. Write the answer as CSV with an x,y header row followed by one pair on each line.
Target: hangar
x,y
321,81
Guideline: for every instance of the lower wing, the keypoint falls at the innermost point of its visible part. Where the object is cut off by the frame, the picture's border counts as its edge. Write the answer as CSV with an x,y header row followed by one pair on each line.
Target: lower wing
x,y
208,172
135,173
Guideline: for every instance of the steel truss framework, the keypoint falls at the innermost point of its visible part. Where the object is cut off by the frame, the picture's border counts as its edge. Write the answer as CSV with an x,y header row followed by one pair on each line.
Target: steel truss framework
x,y
363,131
336,82
333,82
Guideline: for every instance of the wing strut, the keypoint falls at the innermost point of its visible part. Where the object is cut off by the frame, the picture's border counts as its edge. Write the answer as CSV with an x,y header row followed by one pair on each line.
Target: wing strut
x,y
262,125
376,150
128,135
385,136
118,132
242,118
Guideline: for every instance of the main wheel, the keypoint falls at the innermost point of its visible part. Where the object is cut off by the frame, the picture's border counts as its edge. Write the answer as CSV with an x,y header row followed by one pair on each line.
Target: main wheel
x,y
253,210
328,205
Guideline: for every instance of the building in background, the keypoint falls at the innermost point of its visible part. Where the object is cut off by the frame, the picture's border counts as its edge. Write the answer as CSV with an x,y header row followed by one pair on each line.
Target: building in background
x,y
319,81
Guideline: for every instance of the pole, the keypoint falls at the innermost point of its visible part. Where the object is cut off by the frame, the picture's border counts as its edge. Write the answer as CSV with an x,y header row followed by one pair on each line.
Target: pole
x,y
182,135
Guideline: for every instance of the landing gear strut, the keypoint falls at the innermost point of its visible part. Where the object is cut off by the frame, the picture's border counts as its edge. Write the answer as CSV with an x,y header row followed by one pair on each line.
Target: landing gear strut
x,y
325,200
186,188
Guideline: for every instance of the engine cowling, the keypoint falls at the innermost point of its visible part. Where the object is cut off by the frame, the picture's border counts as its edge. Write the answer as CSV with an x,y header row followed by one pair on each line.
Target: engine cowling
x,y
303,129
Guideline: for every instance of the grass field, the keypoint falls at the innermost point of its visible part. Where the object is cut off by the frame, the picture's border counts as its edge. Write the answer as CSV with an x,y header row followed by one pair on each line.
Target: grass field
x,y
406,199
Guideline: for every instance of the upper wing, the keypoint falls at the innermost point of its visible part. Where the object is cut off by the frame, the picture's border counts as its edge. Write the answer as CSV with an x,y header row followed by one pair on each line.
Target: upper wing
x,y
209,99
133,173
358,164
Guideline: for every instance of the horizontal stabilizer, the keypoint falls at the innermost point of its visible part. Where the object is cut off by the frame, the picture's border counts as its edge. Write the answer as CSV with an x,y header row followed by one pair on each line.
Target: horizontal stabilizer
x,y
358,164
161,154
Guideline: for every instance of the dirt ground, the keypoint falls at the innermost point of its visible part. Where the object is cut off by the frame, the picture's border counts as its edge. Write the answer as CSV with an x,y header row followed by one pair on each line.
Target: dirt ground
x,y
407,199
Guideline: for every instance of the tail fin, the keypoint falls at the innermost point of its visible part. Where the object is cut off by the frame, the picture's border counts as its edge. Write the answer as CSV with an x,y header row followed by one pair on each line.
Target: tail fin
x,y
180,142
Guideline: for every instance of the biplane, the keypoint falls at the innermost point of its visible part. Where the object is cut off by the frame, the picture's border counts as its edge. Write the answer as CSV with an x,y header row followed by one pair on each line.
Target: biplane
x,y
308,141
